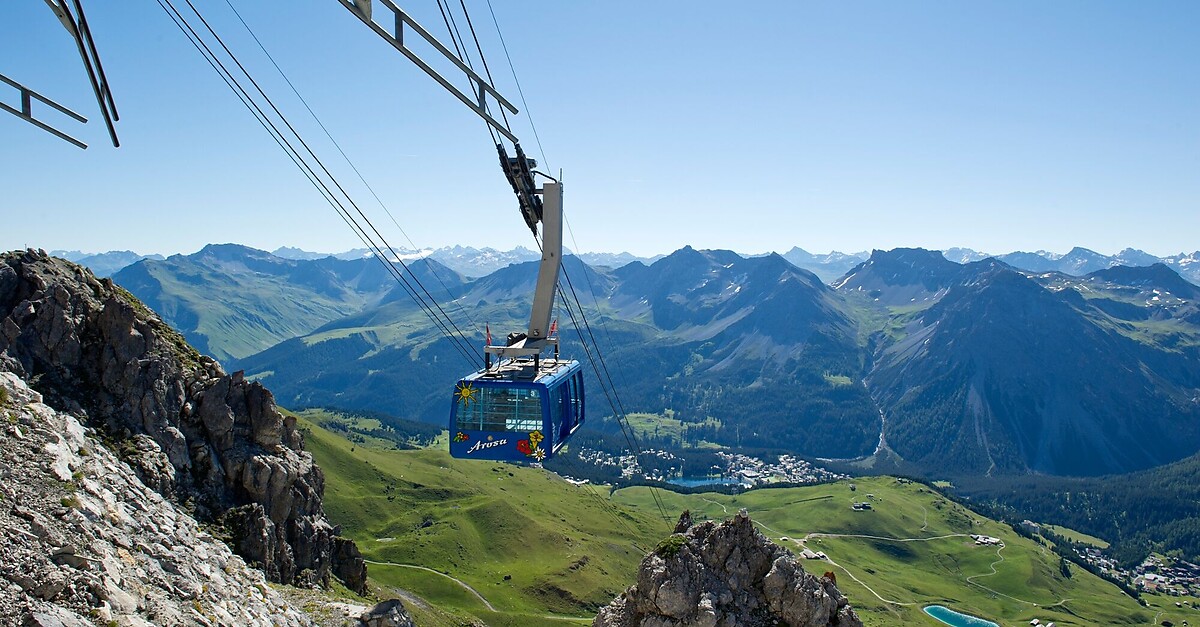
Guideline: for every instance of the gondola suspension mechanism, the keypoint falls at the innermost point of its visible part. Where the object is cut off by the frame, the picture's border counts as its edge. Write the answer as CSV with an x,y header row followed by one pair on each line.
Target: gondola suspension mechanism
x,y
520,407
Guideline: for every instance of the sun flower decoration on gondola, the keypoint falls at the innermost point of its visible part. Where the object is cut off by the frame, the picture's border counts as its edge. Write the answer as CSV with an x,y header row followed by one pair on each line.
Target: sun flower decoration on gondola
x,y
465,393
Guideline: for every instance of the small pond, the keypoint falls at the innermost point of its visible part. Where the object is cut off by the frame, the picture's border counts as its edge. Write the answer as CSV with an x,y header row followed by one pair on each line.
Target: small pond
x,y
956,619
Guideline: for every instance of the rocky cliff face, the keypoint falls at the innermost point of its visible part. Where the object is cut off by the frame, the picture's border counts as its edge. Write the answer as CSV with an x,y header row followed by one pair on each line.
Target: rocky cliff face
x,y
211,442
86,542
726,575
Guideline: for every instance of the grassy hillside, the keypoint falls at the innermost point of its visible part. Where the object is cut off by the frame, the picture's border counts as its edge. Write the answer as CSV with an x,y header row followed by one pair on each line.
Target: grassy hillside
x,y
1156,510
232,301
426,520
913,549
530,543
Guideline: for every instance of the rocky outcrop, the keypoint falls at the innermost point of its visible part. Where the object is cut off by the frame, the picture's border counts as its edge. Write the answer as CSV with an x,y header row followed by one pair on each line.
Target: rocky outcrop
x,y
387,614
212,442
85,542
726,575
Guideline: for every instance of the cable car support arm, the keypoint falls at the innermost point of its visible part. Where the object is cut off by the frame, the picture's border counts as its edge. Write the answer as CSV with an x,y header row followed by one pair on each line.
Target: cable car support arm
x,y
394,32
537,337
77,26
25,111
538,205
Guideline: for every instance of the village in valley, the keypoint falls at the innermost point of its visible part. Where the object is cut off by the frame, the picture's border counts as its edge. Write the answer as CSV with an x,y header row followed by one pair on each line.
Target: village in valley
x,y
733,469
1155,574
754,472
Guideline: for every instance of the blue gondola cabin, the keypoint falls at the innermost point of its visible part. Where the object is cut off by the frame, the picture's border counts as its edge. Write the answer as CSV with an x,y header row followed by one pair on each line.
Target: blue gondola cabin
x,y
519,411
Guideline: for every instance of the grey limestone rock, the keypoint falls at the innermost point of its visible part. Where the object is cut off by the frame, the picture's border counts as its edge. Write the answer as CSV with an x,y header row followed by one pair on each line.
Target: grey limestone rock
x,y
192,432
387,614
726,575
100,547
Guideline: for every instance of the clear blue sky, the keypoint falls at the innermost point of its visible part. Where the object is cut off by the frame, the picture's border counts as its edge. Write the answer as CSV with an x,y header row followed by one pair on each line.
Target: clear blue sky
x,y
754,126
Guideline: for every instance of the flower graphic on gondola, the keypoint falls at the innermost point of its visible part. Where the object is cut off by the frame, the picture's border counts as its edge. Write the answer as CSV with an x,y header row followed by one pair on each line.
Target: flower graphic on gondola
x,y
461,437
532,446
464,392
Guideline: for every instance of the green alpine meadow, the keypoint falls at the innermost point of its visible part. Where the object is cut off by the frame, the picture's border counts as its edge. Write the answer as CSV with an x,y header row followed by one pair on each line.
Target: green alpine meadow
x,y
514,545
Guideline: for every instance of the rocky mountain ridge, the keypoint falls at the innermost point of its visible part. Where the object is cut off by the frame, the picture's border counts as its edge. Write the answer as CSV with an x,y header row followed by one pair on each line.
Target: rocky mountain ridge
x,y
211,442
905,277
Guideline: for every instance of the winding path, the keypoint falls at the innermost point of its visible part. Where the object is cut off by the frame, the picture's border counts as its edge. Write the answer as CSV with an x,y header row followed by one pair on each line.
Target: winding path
x,y
803,542
473,591
456,580
869,588
1000,559
970,580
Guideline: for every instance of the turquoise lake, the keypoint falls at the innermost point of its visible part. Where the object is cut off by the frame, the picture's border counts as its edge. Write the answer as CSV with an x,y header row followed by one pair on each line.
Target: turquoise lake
x,y
956,619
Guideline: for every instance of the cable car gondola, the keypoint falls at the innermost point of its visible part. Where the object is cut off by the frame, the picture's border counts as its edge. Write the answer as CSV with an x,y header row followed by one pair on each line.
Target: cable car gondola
x,y
523,410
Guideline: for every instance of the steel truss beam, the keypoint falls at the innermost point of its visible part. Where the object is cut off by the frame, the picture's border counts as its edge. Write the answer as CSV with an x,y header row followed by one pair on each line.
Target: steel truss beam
x,y
25,111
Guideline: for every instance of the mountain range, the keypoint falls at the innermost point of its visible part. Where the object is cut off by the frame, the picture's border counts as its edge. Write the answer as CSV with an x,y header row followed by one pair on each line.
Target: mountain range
x,y
466,260
971,368
104,264
1081,261
231,301
703,333
991,370
197,464
478,262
